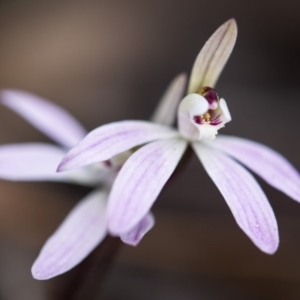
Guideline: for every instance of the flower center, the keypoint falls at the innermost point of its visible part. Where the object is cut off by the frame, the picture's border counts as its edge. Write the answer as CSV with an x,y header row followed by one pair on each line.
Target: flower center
x,y
202,114
202,119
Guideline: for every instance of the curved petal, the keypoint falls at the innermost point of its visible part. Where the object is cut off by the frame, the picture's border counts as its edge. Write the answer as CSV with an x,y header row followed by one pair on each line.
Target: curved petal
x,y
140,181
166,111
83,229
264,161
135,235
245,198
108,140
47,117
213,57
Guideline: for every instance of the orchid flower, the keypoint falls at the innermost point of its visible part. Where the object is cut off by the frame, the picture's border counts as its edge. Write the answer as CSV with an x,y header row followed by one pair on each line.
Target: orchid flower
x,y
200,115
86,225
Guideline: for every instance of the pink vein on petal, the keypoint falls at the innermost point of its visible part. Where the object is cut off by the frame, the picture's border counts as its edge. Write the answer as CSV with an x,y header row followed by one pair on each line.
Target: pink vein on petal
x,y
264,161
244,196
83,229
140,181
109,140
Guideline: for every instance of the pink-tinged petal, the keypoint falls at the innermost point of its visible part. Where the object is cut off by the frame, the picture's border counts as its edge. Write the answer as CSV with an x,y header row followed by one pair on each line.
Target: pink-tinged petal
x,y
47,117
166,110
39,161
244,196
264,161
83,229
135,235
140,181
30,161
213,57
109,140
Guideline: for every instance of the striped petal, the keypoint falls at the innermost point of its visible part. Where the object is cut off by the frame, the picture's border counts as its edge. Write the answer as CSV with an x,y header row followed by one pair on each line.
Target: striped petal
x,y
140,181
108,140
213,57
83,229
166,110
264,161
135,235
47,117
244,197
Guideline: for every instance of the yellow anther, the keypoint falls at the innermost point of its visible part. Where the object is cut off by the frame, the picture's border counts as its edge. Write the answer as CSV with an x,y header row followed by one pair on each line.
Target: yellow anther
x,y
207,116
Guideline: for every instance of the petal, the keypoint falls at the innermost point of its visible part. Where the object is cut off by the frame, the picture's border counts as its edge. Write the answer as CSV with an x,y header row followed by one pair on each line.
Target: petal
x,y
192,105
30,161
166,110
264,161
108,140
213,57
83,229
208,132
47,117
245,198
140,181
226,117
38,162
135,235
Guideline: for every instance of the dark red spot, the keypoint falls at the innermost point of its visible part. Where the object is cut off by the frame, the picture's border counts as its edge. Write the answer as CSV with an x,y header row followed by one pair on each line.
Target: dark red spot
x,y
107,163
197,119
216,120
210,95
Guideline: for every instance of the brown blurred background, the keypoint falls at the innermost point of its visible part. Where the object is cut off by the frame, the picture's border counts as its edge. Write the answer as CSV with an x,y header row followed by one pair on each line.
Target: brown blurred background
x,y
111,60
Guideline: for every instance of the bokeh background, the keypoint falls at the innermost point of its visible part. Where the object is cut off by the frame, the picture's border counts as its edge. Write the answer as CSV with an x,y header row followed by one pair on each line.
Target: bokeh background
x,y
111,60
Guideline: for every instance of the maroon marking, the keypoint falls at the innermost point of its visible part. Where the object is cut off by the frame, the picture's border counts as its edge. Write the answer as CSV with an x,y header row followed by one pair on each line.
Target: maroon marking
x,y
108,163
198,120
211,96
216,120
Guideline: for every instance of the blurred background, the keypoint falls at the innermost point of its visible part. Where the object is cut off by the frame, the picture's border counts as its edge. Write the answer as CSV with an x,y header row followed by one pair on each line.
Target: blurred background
x,y
111,60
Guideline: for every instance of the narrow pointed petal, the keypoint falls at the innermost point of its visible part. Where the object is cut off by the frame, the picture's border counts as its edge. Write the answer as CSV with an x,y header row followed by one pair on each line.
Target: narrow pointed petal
x,y
83,229
30,161
47,117
264,161
140,181
166,110
213,57
135,235
244,196
108,140
39,161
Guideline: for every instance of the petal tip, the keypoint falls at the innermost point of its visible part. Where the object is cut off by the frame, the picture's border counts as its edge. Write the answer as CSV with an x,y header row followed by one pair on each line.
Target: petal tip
x,y
63,165
39,273
232,21
269,244
231,24
132,243
271,248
